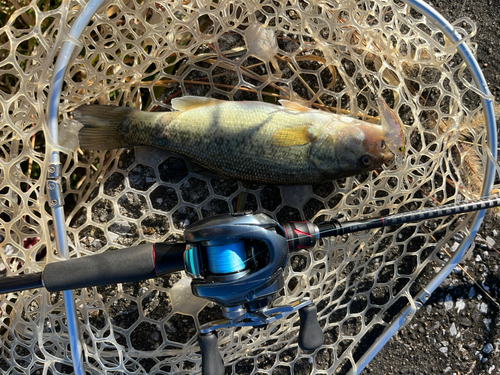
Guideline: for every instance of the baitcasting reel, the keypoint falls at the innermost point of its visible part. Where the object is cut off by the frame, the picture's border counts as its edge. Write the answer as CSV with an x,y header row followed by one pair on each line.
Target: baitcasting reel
x,y
237,261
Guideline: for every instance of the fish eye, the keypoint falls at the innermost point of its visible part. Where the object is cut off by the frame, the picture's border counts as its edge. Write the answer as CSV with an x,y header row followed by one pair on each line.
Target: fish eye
x,y
401,149
366,160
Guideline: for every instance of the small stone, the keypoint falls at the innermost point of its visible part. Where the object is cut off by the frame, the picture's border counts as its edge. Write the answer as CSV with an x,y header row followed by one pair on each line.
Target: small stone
x,y
443,349
487,323
97,244
435,326
453,330
122,227
488,348
460,304
454,246
490,241
448,302
472,293
483,307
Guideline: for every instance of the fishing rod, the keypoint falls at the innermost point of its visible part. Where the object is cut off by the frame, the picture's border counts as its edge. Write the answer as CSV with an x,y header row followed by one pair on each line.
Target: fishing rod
x,y
236,260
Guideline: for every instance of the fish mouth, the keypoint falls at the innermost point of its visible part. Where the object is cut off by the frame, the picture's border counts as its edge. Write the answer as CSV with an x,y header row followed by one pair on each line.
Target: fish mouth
x,y
374,143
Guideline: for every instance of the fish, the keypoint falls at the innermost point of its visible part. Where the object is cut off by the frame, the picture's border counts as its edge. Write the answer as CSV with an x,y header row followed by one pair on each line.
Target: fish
x,y
287,144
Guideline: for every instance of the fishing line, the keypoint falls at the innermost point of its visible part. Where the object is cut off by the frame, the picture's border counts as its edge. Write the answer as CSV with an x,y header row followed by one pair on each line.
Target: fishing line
x,y
226,258
229,258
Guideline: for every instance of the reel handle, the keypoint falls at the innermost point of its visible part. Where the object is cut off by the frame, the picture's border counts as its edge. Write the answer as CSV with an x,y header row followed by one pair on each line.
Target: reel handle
x,y
310,332
212,363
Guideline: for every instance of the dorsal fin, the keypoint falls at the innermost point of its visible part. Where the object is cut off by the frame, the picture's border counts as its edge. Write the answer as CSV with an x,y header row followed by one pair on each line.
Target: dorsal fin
x,y
293,105
189,102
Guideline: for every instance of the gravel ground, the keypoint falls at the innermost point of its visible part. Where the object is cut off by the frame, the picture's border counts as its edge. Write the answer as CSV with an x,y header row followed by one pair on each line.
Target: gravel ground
x,y
457,331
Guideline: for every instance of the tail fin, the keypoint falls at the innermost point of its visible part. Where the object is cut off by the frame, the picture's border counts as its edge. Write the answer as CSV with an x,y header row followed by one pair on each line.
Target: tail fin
x,y
101,126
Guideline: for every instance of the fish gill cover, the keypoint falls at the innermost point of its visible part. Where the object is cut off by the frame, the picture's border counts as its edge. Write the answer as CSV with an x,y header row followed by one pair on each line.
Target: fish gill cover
x,y
142,54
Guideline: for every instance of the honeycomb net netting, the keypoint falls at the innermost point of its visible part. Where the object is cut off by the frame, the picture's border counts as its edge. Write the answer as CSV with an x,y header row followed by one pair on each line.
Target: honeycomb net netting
x,y
143,54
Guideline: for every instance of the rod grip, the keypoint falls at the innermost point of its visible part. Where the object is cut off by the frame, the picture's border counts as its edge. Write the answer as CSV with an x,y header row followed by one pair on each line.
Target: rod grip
x,y
111,267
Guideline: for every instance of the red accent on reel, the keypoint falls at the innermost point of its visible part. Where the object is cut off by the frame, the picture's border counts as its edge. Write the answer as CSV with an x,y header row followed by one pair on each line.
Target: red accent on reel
x,y
299,232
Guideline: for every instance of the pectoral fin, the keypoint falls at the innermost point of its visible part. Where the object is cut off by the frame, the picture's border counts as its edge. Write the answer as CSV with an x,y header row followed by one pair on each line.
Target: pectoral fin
x,y
189,102
293,136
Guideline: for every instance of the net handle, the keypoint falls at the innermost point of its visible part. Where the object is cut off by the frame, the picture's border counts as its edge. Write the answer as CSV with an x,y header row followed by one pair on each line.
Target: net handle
x,y
55,89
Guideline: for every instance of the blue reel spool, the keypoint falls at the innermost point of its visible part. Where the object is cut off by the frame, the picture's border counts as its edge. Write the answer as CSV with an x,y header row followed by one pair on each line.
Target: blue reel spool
x,y
226,259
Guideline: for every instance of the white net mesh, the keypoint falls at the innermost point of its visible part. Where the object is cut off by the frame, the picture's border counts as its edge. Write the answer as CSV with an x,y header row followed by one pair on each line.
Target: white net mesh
x,y
142,54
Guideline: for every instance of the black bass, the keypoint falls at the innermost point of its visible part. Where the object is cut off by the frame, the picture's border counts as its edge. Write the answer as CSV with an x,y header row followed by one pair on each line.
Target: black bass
x,y
252,141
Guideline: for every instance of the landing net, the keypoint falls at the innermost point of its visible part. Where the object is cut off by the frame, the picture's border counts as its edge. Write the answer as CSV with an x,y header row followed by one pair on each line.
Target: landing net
x,y
144,53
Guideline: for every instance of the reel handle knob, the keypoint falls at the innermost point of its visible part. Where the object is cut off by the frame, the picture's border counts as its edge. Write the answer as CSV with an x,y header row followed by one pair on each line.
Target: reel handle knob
x,y
211,360
310,333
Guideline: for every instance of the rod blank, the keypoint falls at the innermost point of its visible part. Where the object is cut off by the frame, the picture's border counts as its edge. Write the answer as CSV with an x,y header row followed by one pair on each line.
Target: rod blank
x,y
335,228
